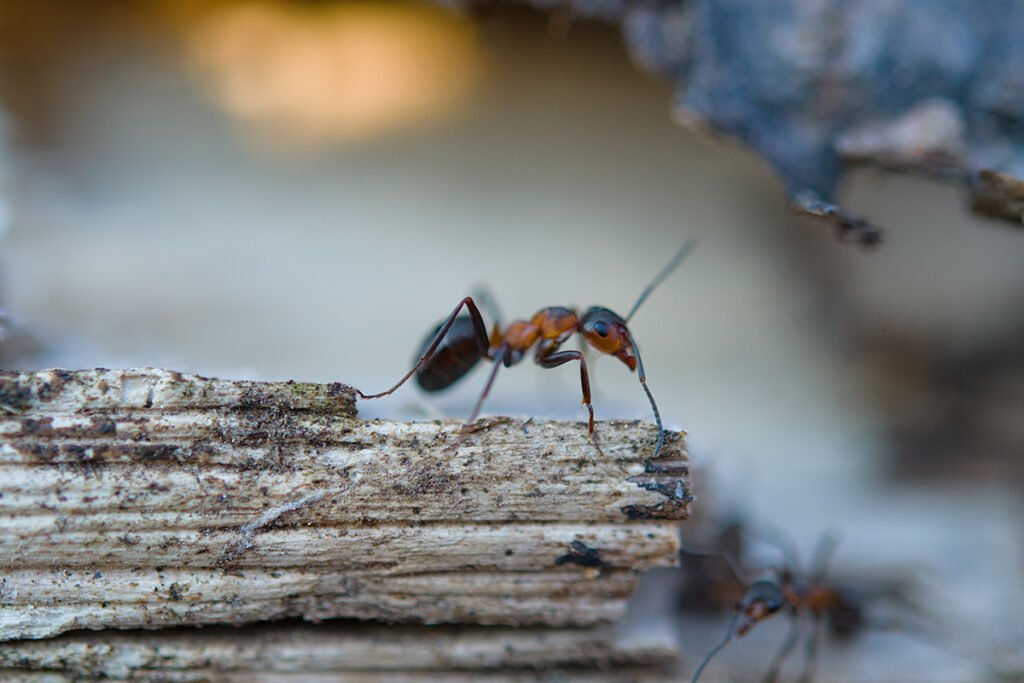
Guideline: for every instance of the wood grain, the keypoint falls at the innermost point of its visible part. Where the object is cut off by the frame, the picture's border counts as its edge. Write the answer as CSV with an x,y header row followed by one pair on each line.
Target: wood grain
x,y
149,498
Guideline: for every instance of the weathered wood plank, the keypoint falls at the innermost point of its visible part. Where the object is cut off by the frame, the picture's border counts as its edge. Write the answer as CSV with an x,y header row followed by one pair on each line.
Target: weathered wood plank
x,y
41,604
331,648
63,392
147,498
361,471
629,674
386,549
224,464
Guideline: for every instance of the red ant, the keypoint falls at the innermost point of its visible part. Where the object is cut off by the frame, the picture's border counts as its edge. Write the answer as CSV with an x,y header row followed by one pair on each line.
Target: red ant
x,y
780,590
458,343
777,590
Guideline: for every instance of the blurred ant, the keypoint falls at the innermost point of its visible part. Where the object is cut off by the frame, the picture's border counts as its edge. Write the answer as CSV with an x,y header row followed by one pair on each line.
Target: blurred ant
x,y
779,589
707,583
458,343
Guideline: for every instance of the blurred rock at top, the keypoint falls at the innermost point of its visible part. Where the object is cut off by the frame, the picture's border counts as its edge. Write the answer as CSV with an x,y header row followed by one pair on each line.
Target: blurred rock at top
x,y
927,86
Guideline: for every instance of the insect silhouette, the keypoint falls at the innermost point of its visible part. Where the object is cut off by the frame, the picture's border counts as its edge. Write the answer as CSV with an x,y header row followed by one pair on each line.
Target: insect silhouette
x,y
780,590
810,600
461,341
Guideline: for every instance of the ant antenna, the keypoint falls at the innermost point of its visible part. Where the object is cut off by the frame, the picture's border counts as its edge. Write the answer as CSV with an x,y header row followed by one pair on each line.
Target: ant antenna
x,y
729,633
726,560
822,556
778,538
683,252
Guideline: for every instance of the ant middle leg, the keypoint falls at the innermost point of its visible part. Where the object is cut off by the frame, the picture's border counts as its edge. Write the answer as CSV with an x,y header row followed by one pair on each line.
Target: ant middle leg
x,y
500,356
772,675
811,653
479,329
547,357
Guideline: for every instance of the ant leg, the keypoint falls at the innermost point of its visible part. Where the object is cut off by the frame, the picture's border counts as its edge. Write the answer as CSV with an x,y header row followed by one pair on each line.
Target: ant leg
x,y
499,358
812,652
775,667
778,538
488,302
478,327
642,376
548,358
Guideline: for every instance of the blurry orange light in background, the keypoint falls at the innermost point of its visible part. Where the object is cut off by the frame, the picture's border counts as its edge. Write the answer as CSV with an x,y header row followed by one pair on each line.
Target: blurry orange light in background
x,y
335,73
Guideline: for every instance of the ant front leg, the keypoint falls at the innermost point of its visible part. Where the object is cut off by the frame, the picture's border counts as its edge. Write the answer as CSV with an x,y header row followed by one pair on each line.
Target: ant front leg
x,y
547,357
478,328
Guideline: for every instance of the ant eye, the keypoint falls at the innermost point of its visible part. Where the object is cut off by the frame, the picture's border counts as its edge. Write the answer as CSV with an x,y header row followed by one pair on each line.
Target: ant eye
x,y
601,328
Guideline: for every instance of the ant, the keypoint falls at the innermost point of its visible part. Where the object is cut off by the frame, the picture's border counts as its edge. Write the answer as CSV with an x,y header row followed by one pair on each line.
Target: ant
x,y
457,344
779,590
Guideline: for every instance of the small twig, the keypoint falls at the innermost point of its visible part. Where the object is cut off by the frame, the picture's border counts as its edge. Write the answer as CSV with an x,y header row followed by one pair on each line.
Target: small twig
x,y
246,531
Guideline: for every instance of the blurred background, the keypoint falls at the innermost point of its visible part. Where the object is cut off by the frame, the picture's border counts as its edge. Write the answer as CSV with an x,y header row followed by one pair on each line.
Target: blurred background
x,y
302,190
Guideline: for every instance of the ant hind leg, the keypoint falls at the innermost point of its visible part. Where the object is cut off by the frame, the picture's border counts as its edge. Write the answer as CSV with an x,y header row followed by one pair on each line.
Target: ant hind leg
x,y
478,327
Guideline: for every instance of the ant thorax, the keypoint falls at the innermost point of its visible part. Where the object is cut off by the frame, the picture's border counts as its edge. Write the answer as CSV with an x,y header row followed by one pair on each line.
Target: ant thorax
x,y
549,326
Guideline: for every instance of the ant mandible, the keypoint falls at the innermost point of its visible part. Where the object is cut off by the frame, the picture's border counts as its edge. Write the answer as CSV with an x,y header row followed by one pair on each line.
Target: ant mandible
x,y
458,343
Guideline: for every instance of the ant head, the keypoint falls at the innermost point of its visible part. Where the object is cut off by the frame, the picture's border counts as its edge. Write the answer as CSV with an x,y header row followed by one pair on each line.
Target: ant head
x,y
763,599
606,331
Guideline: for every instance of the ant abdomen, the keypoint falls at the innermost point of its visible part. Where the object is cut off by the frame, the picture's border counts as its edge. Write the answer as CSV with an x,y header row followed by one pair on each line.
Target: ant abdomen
x,y
846,617
458,353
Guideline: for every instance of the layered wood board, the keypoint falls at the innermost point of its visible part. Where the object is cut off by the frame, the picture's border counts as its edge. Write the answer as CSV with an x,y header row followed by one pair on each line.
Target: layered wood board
x,y
340,651
149,498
